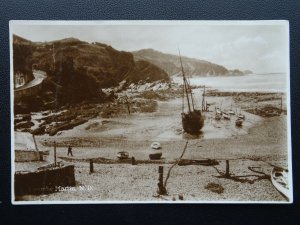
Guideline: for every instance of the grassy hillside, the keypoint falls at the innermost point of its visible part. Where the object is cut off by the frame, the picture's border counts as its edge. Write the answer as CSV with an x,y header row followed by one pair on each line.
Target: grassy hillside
x,y
171,64
147,72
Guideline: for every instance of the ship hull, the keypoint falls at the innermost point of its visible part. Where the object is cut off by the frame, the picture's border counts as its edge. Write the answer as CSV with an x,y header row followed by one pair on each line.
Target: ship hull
x,y
192,122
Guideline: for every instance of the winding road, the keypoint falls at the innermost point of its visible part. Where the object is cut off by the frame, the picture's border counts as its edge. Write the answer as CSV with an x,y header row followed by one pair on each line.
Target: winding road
x,y
32,87
39,76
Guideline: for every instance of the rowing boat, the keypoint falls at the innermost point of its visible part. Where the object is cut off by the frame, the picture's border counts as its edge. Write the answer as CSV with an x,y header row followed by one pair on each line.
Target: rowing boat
x,y
279,178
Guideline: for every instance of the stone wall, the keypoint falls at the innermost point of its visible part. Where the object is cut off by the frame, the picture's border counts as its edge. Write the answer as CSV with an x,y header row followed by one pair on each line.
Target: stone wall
x,y
26,92
27,155
44,181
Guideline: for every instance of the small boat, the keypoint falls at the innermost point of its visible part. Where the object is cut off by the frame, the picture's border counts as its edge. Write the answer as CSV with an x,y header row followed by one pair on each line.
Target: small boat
x,y
155,145
123,155
155,155
226,116
218,111
279,178
231,112
192,121
239,122
241,116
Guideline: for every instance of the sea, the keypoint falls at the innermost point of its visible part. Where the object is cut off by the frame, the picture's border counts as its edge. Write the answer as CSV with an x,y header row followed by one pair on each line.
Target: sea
x,y
274,82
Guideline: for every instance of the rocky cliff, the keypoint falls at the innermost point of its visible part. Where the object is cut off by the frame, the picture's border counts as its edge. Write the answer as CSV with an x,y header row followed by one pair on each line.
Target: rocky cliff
x,y
78,70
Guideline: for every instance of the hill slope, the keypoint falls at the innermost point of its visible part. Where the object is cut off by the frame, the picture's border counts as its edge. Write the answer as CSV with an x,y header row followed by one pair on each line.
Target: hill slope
x,y
81,69
171,64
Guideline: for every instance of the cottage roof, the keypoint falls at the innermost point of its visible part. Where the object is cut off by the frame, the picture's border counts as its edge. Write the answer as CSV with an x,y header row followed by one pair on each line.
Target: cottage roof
x,y
24,141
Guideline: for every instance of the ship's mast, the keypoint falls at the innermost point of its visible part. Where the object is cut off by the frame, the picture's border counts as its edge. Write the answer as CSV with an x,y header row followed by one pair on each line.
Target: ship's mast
x,y
185,83
53,54
203,101
190,89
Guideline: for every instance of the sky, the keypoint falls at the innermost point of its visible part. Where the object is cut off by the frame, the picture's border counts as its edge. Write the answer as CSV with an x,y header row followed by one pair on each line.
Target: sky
x,y
260,47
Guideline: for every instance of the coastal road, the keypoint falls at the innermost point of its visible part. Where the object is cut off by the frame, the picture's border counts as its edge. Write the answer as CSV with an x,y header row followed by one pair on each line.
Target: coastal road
x,y
39,77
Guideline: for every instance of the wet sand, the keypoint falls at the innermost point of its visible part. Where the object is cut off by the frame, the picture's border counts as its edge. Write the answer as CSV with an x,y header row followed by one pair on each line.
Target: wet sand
x,y
261,142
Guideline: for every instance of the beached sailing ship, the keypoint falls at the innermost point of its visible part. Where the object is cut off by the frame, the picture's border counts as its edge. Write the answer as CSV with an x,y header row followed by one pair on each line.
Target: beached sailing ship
x,y
192,120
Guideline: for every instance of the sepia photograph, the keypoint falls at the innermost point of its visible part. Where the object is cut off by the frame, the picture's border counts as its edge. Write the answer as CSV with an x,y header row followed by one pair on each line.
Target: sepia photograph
x,y
150,112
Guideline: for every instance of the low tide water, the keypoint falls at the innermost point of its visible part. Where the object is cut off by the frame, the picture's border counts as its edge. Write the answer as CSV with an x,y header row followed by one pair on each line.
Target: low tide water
x,y
275,82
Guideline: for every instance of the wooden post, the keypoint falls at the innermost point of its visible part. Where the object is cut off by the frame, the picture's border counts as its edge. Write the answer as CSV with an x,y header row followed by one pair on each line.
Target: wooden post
x,y
36,147
128,107
161,189
127,104
54,153
91,166
281,105
180,196
133,162
227,169
161,174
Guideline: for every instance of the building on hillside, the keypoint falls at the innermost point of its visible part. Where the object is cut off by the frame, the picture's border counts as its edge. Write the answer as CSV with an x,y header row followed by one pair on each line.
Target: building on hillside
x,y
19,80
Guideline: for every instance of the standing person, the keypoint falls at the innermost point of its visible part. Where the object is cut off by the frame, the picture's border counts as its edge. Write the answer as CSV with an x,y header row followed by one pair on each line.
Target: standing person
x,y
70,150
